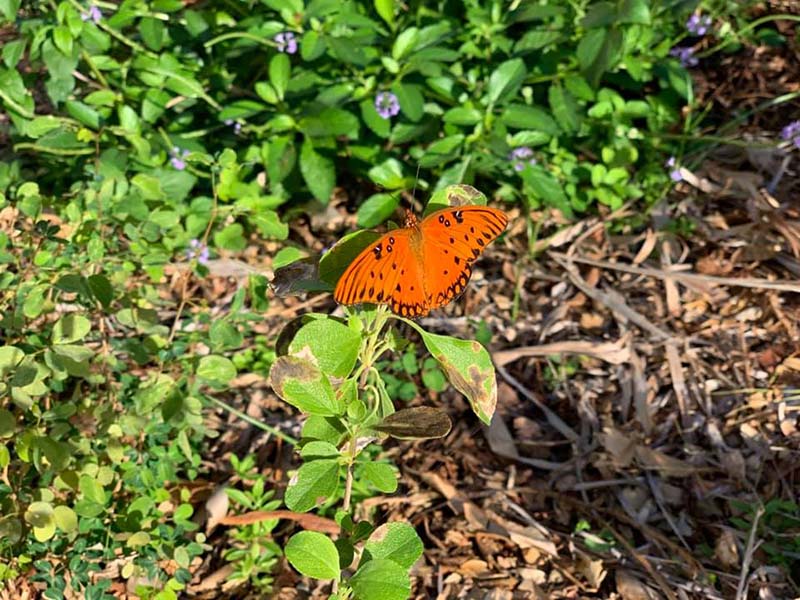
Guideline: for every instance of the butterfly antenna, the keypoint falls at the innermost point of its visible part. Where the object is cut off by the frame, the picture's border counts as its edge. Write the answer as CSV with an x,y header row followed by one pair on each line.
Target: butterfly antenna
x,y
414,189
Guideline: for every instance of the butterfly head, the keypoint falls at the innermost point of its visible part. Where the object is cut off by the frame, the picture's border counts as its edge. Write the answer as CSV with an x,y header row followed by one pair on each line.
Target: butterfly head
x,y
411,219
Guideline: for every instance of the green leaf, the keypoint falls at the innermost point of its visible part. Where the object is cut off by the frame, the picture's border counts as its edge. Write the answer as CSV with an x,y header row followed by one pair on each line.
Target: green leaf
x,y
138,539
224,336
242,109
347,50
405,43
382,476
411,100
600,14
7,423
286,256
506,80
65,518
318,172
269,225
313,555
459,194
528,138
63,39
634,11
58,454
388,174
83,113
564,108
70,328
469,369
231,238
216,370
41,517
462,115
313,483
597,52
385,8
522,116
280,70
281,157
381,579
330,122
536,39
312,46
377,124
9,9
10,359
395,541
547,189
152,31
13,50
324,429
376,209
101,289
319,449
303,385
334,345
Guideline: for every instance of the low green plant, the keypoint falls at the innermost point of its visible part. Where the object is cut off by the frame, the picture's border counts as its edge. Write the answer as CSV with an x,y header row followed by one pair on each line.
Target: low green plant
x,y
253,551
777,527
331,371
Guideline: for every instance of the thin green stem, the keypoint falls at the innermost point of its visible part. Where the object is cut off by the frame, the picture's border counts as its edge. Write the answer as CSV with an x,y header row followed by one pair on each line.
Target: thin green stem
x,y
713,138
93,68
233,35
57,151
15,105
348,482
745,29
252,421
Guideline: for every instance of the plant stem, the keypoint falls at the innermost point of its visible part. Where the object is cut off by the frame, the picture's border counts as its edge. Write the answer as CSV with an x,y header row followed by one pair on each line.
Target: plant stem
x,y
348,482
254,422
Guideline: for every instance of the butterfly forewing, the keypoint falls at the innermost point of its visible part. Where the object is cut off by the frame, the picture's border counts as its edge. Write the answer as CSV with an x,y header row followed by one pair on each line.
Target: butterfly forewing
x,y
387,272
453,238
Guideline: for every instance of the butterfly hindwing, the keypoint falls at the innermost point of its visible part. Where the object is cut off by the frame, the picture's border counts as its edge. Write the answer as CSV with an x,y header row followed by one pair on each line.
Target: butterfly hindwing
x,y
386,272
453,238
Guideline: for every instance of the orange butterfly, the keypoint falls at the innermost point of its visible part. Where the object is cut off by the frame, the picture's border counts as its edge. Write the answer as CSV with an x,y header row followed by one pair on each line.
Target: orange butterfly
x,y
423,265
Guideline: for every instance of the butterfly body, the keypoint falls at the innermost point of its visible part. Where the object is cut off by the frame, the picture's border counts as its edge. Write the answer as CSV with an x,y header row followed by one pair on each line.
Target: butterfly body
x,y
423,265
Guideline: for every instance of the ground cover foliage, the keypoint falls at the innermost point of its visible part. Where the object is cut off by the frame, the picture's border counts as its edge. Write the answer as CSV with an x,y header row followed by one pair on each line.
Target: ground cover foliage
x,y
159,437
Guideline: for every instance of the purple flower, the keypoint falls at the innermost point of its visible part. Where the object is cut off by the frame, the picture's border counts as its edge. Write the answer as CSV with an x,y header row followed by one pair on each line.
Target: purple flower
x,y
93,14
698,24
237,127
791,133
198,251
675,170
685,55
387,105
286,42
521,157
178,157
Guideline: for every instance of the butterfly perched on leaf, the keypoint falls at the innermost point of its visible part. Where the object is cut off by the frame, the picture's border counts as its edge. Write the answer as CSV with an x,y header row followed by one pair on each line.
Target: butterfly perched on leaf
x,y
425,264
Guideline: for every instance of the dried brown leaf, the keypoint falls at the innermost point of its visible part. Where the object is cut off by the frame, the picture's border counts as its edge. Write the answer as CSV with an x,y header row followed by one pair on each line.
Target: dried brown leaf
x,y
619,446
305,520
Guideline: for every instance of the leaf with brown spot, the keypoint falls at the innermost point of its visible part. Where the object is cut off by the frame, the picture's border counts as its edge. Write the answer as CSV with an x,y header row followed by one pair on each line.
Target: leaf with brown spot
x,y
417,423
469,368
300,383
454,196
